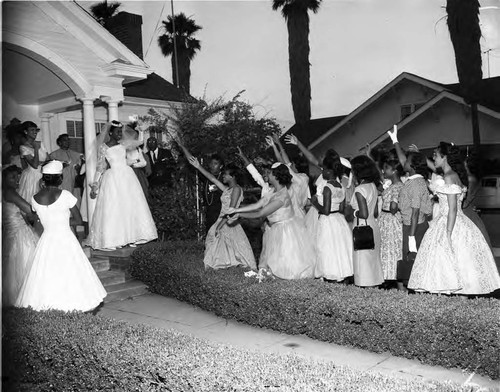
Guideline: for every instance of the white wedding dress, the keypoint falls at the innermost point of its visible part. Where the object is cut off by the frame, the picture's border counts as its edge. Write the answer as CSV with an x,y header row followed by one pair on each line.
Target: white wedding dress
x,y
122,214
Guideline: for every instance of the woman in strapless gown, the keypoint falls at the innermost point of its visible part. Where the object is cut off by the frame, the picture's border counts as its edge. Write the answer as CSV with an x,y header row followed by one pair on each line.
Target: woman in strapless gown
x,y
288,251
122,215
18,238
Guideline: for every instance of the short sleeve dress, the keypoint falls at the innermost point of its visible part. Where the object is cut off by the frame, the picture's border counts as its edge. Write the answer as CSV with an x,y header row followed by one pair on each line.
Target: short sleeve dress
x,y
59,276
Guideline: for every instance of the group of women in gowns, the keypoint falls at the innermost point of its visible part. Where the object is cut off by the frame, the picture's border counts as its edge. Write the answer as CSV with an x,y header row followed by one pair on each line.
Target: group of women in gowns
x,y
319,243
52,271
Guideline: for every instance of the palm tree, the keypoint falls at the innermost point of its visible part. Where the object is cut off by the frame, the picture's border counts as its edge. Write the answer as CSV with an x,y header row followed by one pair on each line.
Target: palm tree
x,y
104,11
186,47
465,33
296,15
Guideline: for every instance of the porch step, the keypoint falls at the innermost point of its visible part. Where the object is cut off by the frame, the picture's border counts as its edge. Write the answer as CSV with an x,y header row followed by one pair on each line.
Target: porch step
x,y
109,278
100,263
121,291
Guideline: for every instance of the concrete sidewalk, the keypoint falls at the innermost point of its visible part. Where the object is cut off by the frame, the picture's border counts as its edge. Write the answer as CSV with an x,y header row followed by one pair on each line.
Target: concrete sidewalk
x,y
168,313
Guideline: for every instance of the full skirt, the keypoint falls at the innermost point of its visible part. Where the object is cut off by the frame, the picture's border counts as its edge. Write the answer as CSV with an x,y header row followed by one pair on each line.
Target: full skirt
x,y
334,248
60,276
122,214
476,219
18,248
229,248
464,266
288,250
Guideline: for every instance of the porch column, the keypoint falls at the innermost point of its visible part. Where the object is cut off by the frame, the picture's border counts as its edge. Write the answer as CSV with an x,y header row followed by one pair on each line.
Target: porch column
x,y
89,138
112,109
45,131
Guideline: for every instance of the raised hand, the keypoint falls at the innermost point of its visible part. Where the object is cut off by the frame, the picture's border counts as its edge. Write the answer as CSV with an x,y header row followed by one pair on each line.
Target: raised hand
x,y
240,153
269,141
291,139
394,134
194,161
413,147
276,138
368,148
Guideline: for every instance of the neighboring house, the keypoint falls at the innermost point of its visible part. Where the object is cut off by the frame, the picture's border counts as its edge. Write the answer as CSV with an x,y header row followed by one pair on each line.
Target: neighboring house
x,y
426,113
64,71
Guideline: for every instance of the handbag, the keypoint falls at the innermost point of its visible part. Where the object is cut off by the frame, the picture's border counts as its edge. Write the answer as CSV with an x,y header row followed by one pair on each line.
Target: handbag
x,y
363,237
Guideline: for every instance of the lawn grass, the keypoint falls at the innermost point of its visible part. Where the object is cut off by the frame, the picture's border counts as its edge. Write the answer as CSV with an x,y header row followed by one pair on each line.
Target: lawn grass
x,y
56,351
453,332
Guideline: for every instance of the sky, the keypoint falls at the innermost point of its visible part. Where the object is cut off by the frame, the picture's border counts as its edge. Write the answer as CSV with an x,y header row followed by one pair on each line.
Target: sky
x,y
357,47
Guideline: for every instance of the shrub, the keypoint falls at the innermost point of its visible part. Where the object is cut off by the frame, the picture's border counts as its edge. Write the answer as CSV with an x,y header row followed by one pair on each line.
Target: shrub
x,y
54,351
174,211
437,330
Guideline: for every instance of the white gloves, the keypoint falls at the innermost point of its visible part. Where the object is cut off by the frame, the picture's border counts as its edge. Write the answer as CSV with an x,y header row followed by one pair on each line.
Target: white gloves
x,y
412,244
394,134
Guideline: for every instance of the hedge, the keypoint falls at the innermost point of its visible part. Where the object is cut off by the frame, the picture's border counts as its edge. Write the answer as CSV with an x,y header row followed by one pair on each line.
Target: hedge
x,y
54,351
453,332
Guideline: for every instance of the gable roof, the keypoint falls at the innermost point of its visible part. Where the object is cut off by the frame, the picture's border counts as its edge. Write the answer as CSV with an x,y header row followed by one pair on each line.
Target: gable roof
x,y
154,87
489,91
405,75
427,106
313,128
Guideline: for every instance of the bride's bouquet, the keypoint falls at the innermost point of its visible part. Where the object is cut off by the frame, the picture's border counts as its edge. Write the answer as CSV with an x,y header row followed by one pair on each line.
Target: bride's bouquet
x,y
261,275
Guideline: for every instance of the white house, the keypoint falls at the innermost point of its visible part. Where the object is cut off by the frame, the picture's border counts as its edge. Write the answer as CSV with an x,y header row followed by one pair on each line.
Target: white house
x,y
64,71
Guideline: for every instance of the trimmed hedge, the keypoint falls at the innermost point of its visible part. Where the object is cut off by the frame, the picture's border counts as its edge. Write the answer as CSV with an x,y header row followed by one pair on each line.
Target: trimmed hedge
x,y
54,351
453,332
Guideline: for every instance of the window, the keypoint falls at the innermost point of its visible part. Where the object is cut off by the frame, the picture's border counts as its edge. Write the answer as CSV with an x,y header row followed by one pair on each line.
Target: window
x,y
74,129
408,109
489,183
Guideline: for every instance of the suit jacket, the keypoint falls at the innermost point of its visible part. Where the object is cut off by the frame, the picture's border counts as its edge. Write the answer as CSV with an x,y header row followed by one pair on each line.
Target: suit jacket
x,y
162,167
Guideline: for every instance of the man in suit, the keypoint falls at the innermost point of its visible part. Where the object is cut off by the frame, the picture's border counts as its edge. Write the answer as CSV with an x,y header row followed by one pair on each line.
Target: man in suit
x,y
162,163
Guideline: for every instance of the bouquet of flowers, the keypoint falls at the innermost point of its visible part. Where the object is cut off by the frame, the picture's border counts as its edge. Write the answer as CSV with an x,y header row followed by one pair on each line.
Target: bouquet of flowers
x,y
261,275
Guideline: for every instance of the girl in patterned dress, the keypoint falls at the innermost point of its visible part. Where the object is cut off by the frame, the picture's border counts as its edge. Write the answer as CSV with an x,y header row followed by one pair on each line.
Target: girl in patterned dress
x,y
226,244
391,227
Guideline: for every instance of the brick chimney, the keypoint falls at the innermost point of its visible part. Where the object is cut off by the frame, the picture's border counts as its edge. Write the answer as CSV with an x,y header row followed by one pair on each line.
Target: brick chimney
x,y
128,29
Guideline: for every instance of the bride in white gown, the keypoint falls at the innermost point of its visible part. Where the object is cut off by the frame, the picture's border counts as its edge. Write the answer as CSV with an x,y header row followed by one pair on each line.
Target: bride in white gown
x,y
122,214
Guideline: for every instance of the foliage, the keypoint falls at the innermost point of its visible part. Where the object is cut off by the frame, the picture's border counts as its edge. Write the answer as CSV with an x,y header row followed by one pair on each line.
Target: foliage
x,y
174,210
54,351
104,11
216,126
180,41
296,15
437,330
